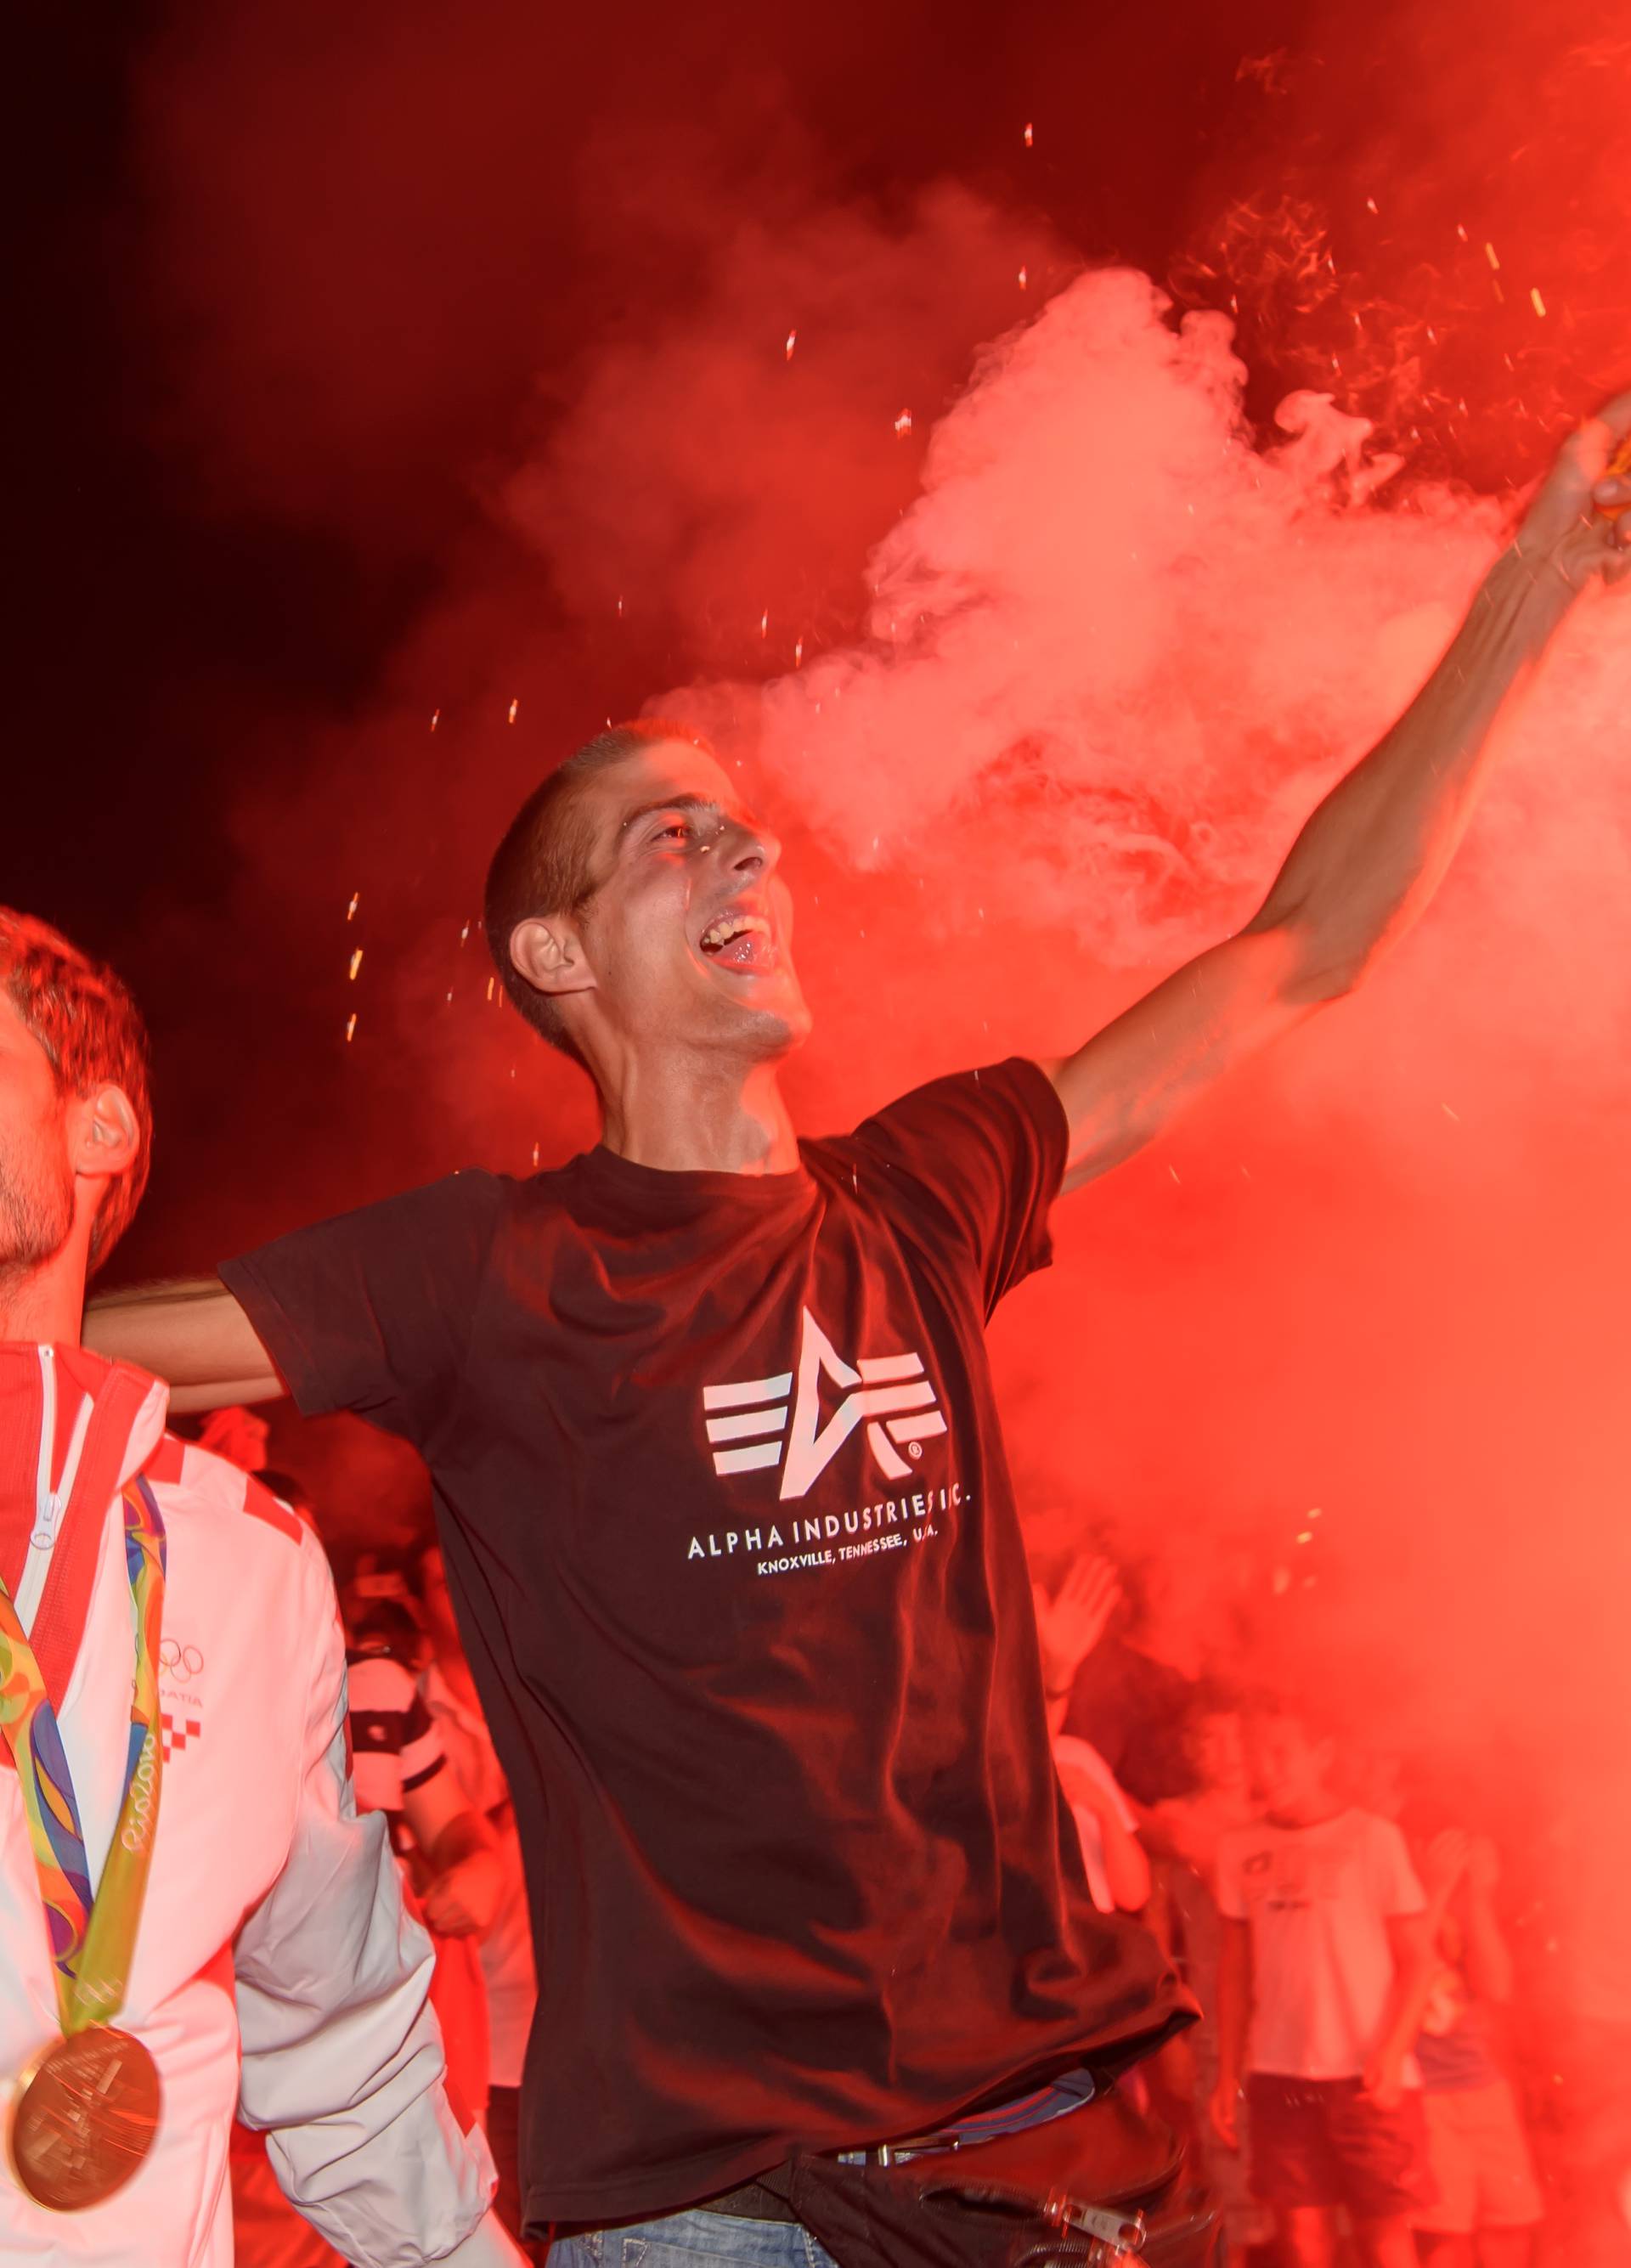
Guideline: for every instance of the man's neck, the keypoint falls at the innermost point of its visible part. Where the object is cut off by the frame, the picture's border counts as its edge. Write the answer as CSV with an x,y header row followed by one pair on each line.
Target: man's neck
x,y
45,1307
682,1119
1312,1811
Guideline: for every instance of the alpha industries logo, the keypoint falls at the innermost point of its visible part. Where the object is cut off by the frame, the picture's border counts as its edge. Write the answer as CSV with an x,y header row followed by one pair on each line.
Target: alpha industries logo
x,y
890,1395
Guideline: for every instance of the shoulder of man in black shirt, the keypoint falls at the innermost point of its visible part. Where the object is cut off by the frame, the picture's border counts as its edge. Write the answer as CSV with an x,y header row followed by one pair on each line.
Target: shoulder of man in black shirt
x,y
980,1155
372,1311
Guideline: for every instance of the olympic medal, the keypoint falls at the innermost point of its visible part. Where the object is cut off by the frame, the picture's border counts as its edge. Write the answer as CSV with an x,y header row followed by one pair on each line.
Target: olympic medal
x,y
83,2118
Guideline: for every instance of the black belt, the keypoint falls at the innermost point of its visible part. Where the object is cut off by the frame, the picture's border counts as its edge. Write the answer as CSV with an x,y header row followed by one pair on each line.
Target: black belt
x,y
754,2201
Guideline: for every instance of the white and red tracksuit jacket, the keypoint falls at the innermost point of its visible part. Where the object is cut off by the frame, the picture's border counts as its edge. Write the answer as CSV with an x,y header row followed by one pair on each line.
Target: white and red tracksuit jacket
x,y
274,1920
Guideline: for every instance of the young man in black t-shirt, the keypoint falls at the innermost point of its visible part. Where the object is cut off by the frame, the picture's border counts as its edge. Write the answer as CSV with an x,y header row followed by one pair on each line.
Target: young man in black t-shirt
x,y
718,1472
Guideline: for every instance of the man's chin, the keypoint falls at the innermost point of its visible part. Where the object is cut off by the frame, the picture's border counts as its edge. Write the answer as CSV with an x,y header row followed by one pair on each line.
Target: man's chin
x,y
779,1025
773,1024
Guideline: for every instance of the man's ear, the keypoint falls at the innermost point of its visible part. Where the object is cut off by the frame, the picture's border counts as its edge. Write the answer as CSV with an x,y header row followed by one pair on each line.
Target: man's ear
x,y
107,1140
548,952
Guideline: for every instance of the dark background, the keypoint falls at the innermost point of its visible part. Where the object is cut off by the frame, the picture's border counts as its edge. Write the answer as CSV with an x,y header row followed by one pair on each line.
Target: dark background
x,y
303,287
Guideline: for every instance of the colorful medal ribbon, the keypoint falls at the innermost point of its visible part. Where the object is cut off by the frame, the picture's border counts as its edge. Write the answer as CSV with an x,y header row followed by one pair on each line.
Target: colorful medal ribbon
x,y
92,1940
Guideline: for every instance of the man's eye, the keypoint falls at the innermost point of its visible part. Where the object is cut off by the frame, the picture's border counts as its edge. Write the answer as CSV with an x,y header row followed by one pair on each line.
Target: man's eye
x,y
676,828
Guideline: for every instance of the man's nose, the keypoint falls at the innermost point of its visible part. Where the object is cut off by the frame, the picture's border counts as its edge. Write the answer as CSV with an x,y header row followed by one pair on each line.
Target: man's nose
x,y
749,850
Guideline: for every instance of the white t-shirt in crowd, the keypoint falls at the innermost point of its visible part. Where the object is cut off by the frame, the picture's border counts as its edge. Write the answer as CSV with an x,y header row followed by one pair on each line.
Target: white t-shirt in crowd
x,y
1318,1900
506,1948
1072,1758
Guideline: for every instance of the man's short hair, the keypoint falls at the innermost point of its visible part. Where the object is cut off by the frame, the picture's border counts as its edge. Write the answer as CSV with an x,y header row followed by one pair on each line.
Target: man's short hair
x,y
544,865
92,1034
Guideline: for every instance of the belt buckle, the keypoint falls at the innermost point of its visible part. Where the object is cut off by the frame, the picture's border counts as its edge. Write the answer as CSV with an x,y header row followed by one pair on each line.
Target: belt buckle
x,y
1116,2236
918,2145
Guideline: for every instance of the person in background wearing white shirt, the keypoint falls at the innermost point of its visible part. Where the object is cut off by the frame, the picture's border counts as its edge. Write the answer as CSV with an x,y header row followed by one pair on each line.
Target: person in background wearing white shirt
x,y
1489,2204
1325,1970
1071,1619
505,1947
1106,1827
172,1655
452,1875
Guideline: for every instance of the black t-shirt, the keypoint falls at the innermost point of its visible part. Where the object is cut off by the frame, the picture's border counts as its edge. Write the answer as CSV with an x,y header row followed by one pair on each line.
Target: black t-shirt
x,y
733,1544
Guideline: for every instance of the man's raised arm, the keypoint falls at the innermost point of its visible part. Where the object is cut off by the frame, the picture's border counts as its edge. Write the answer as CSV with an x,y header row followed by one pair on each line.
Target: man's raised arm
x,y
194,1335
1375,851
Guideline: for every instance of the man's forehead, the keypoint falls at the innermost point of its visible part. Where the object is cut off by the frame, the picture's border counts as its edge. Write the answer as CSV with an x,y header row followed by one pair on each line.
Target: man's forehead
x,y
665,770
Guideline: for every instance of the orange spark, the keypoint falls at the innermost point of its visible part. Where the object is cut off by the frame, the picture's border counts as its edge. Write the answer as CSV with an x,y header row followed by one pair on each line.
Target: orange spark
x,y
1535,300
350,1026
1030,138
793,340
1021,279
436,718
515,705
356,963
903,424
350,911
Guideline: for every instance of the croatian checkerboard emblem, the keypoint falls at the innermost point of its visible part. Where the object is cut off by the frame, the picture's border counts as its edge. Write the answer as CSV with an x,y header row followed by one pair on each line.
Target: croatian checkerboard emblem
x,y
174,1733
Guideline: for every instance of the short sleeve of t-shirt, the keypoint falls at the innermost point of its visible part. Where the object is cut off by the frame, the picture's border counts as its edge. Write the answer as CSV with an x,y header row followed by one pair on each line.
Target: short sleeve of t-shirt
x,y
373,1311
983,1154
1394,1880
1071,1757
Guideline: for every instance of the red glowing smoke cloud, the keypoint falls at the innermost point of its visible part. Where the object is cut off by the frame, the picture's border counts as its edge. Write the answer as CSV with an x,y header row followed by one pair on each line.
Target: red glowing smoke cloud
x,y
1112,655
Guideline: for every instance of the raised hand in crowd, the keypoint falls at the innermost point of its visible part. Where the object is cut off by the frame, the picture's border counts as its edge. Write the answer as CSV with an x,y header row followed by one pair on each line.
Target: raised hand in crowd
x,y
1071,1622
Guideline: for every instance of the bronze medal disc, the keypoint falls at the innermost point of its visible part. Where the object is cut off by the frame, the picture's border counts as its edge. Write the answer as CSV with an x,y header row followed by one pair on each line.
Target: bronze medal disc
x,y
83,2118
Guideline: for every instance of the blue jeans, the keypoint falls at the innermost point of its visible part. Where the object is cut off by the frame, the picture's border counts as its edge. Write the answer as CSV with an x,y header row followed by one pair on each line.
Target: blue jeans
x,y
694,2239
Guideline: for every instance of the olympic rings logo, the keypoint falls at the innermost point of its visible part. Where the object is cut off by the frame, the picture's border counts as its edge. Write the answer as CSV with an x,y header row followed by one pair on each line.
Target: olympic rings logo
x,y
174,1656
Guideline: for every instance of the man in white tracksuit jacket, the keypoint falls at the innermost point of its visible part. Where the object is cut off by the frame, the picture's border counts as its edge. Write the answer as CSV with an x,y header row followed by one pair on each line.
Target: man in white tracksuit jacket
x,y
273,1918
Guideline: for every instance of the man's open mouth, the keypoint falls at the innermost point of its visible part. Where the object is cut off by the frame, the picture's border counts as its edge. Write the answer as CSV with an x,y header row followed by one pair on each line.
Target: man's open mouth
x,y
743,942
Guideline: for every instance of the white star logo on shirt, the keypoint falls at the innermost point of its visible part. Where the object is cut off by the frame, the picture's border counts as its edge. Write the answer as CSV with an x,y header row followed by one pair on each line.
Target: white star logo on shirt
x,y
891,1394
